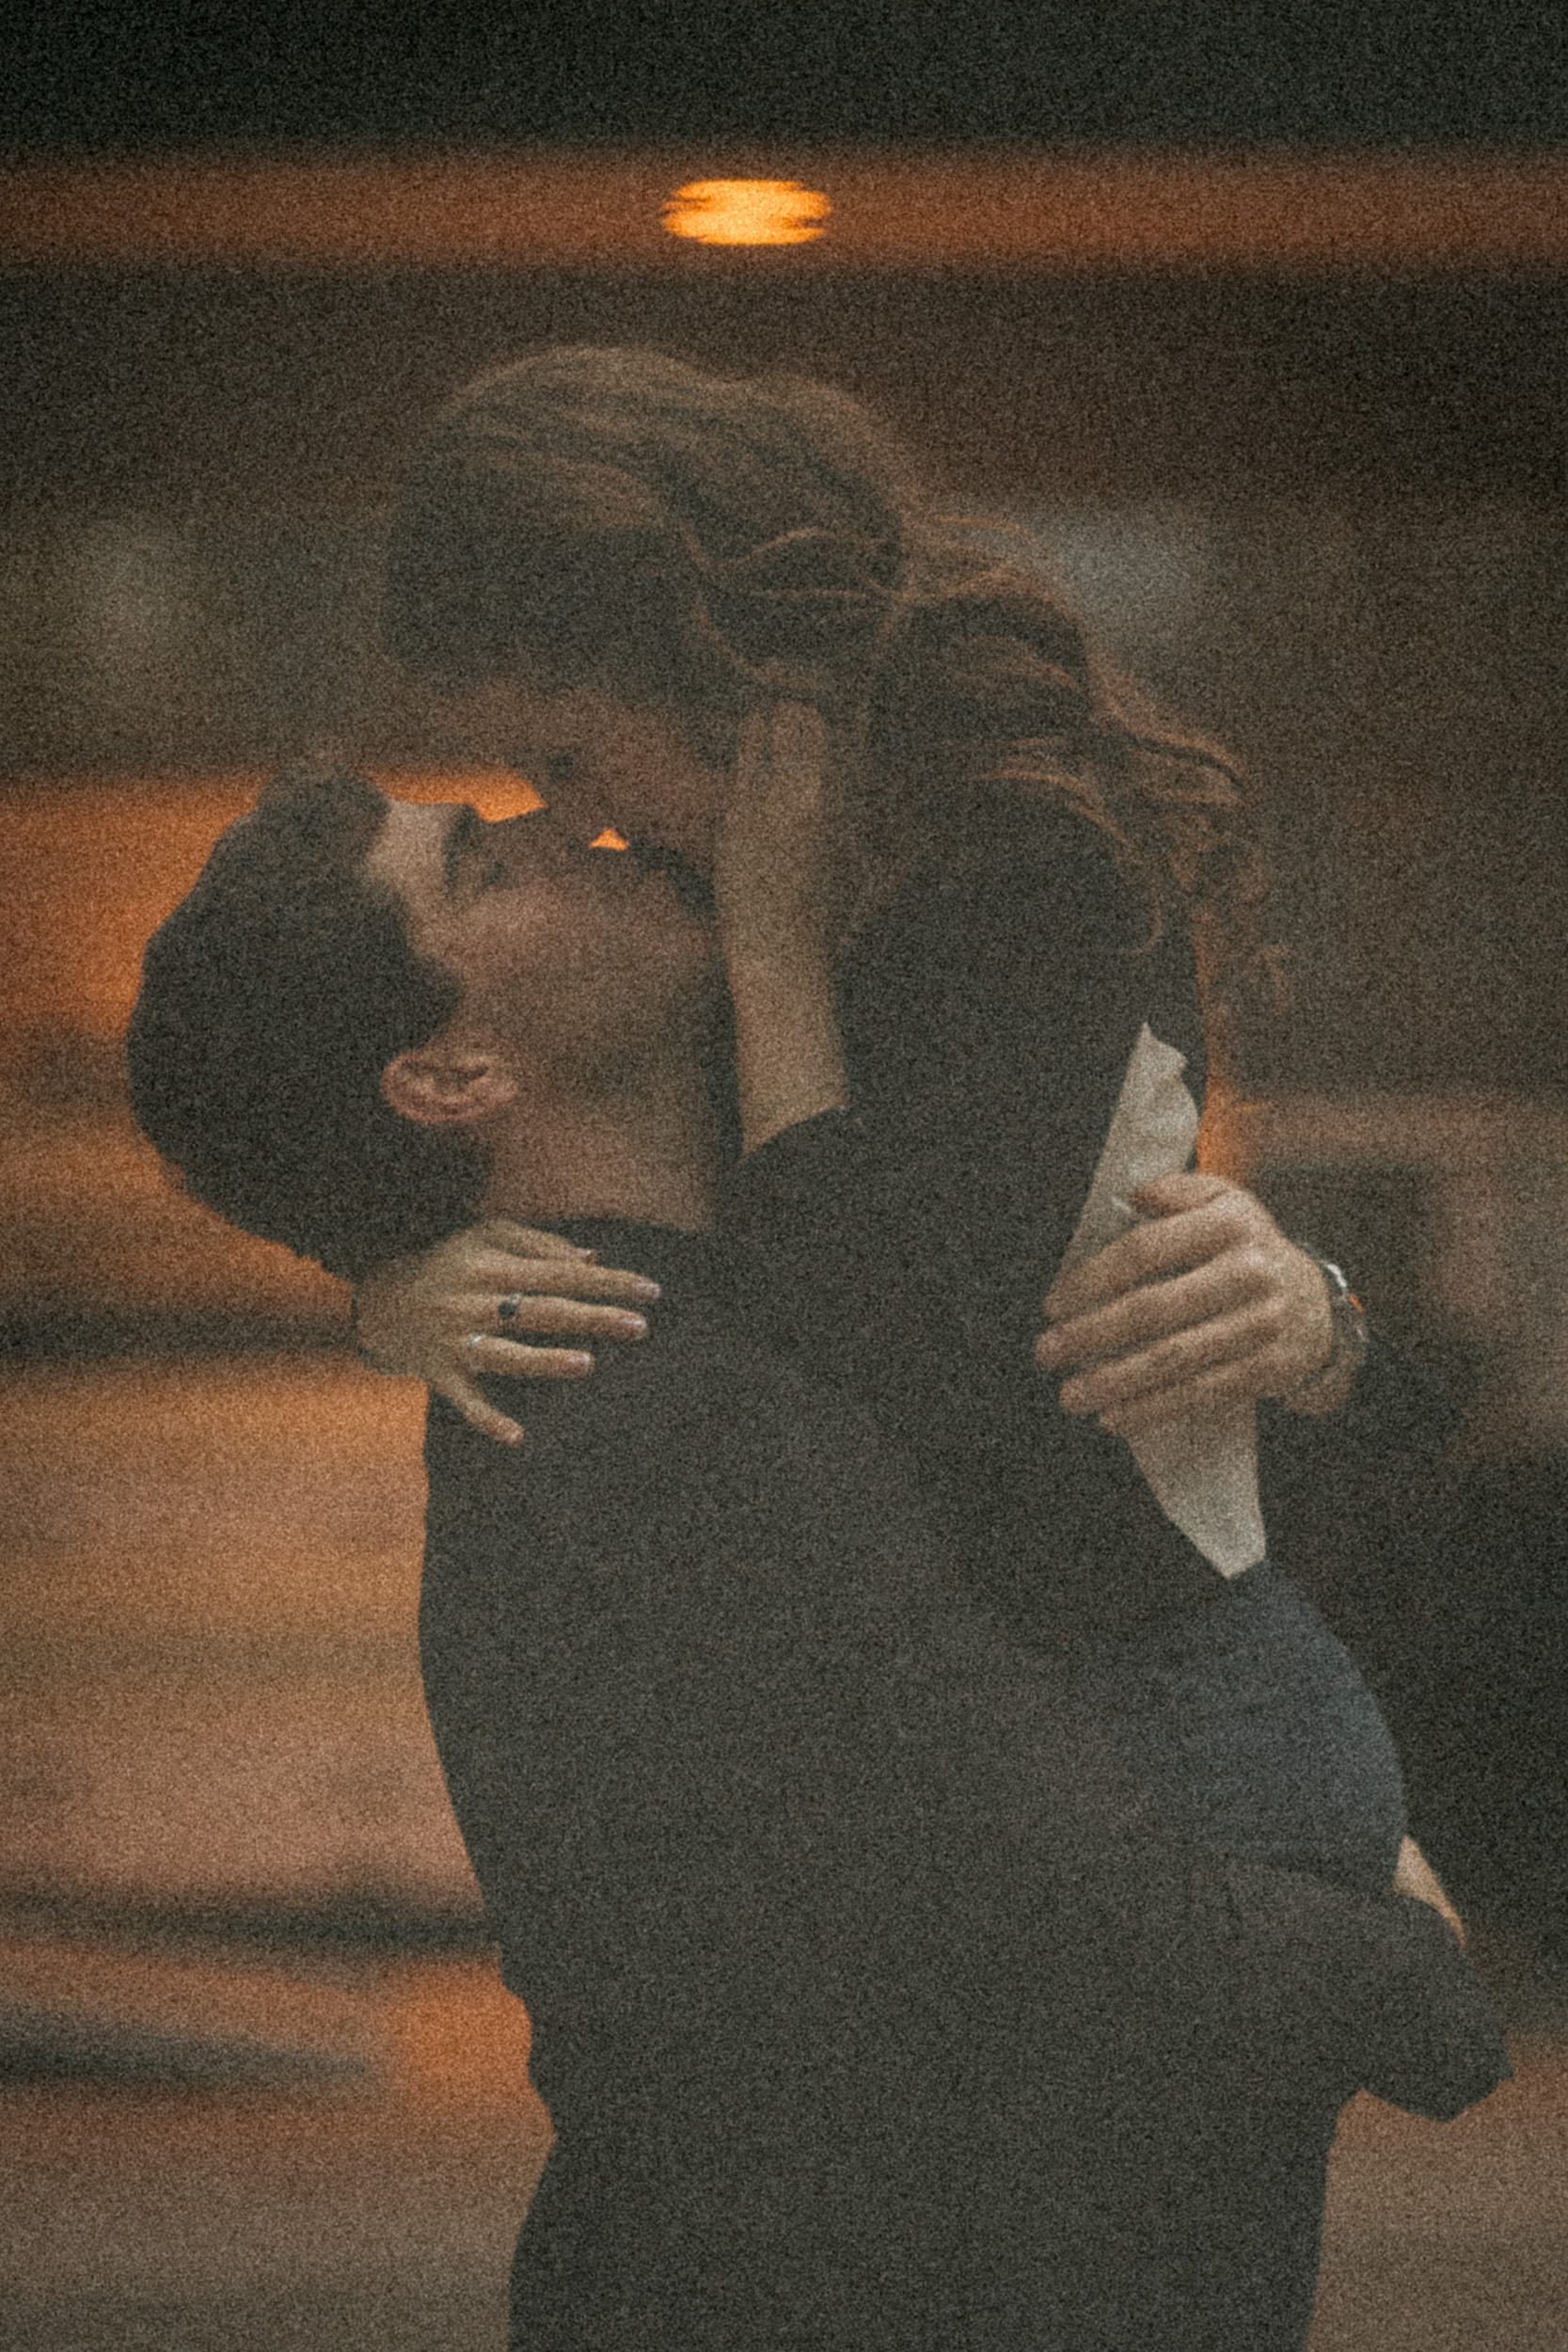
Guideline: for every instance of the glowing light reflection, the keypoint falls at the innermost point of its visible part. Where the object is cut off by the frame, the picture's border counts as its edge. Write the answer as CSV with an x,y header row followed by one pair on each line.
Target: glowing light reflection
x,y
746,212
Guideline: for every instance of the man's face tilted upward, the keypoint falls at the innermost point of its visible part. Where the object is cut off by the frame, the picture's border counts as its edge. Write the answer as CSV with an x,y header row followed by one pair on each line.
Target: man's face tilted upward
x,y
571,959
335,934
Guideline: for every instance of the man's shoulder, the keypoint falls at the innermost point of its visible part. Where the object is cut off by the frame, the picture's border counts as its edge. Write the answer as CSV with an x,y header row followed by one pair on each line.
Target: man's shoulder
x,y
705,1424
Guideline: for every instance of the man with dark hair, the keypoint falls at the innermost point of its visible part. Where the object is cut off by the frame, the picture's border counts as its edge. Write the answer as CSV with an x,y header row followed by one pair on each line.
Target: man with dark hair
x,y
874,2005
271,1001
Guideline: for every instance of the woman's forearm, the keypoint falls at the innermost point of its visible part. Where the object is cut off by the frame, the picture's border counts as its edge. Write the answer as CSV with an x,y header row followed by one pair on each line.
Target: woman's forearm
x,y
789,1059
769,888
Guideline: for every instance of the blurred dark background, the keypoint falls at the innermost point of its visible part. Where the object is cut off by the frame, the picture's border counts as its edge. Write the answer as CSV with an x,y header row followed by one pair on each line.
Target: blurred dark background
x,y
1316,503
85,76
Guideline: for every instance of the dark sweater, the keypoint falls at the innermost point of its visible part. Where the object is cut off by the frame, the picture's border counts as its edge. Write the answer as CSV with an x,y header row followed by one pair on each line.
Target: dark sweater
x,y
873,2004
988,1019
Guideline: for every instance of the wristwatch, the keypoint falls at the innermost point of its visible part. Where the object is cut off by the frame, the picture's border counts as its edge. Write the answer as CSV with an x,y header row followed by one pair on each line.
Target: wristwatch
x,y
1351,1341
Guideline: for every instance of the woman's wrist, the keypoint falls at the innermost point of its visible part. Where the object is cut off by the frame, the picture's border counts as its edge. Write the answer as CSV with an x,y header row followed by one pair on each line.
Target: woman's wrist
x,y
775,956
367,1305
795,1073
789,1060
789,1068
767,1120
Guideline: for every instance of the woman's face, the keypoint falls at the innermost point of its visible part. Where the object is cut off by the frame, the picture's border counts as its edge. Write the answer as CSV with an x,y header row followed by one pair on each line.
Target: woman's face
x,y
599,763
576,958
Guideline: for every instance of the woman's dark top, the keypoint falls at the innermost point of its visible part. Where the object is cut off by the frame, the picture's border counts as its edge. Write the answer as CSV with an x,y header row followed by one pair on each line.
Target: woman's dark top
x,y
987,1018
872,2000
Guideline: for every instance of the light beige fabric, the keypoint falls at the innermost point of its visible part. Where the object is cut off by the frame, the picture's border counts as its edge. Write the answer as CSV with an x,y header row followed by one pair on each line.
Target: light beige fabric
x,y
1203,1473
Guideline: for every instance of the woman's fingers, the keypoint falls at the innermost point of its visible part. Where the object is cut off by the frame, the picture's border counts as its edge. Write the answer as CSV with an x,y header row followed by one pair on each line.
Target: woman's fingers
x,y
415,1315
571,1318
523,1241
555,1277
478,1412
488,1358
527,1258
493,1359
476,1348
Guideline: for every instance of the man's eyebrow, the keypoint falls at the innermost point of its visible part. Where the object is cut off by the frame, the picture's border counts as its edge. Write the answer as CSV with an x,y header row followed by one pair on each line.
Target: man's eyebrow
x,y
461,836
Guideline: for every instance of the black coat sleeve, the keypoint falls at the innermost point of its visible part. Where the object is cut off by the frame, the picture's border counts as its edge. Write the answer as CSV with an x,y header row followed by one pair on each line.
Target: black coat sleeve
x,y
910,1239
988,1023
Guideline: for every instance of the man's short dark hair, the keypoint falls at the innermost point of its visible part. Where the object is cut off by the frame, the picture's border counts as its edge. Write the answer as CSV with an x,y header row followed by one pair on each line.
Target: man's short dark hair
x,y
271,1001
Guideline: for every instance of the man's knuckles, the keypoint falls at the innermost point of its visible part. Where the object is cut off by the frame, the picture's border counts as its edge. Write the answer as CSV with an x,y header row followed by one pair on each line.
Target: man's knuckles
x,y
1270,1319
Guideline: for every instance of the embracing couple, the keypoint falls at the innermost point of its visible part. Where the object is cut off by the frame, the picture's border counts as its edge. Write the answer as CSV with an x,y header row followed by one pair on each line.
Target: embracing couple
x,y
953,1878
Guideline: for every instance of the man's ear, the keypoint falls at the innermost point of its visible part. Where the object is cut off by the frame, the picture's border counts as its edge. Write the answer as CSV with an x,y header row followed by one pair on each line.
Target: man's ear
x,y
447,1086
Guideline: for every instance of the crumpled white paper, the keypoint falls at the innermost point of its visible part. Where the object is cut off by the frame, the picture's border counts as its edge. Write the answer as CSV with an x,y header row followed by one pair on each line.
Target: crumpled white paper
x,y
1203,1472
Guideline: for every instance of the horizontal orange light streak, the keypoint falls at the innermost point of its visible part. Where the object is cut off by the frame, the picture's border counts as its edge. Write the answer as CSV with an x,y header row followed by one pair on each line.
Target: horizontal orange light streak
x,y
92,868
746,212
904,210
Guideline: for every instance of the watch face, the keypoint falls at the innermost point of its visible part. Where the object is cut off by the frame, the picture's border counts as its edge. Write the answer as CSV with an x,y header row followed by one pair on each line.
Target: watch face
x,y
1350,1338
1348,1320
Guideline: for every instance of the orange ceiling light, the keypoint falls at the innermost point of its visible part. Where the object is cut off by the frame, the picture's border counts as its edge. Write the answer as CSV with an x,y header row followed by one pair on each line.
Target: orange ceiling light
x,y
746,212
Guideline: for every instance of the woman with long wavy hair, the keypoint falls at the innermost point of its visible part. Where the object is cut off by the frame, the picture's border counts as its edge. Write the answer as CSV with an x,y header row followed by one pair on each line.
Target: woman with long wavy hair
x,y
981,915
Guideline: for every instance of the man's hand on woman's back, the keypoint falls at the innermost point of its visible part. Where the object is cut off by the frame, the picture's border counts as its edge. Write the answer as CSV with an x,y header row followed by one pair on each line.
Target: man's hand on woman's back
x,y
1205,1304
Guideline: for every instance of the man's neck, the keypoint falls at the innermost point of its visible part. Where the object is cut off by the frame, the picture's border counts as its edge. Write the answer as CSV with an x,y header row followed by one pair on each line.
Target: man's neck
x,y
647,1152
